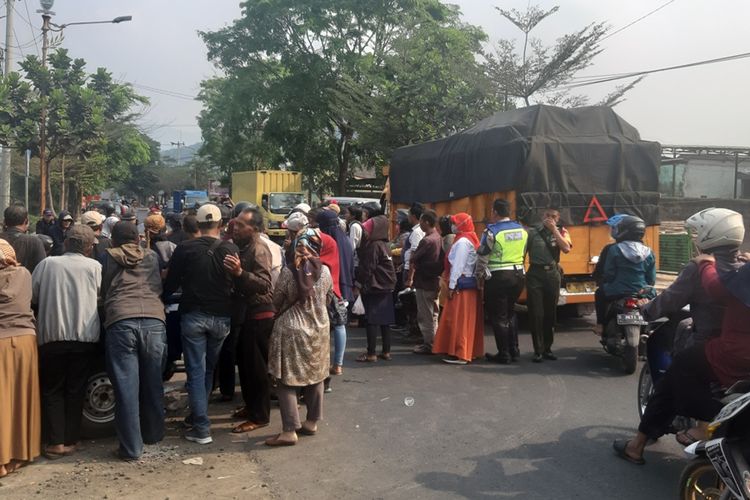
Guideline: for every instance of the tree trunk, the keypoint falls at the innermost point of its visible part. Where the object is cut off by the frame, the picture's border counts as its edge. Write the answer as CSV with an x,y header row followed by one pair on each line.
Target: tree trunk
x,y
50,199
62,183
344,158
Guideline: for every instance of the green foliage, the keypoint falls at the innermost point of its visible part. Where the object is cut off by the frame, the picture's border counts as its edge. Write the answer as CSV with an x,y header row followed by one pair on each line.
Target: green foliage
x,y
89,122
326,86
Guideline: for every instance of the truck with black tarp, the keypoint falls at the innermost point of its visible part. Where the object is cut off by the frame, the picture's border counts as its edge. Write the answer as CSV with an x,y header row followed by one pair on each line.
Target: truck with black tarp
x,y
586,162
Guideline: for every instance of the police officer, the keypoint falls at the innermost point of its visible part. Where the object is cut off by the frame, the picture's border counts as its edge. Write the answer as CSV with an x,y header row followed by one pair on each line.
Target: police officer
x,y
500,263
546,241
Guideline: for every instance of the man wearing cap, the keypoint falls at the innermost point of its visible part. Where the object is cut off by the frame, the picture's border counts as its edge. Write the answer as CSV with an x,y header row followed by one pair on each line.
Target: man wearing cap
x,y
95,221
136,340
29,249
205,309
44,224
65,289
58,232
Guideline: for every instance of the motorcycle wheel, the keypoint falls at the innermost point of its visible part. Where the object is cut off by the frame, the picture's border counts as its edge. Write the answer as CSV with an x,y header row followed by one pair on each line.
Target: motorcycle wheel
x,y
645,388
699,481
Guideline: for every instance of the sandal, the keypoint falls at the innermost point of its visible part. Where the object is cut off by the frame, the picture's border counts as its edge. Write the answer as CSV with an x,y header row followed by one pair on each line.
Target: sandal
x,y
386,356
422,349
275,441
306,432
248,427
366,358
336,370
620,446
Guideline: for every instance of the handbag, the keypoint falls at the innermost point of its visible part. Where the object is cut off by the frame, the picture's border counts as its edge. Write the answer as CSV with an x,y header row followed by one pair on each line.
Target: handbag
x,y
337,312
467,283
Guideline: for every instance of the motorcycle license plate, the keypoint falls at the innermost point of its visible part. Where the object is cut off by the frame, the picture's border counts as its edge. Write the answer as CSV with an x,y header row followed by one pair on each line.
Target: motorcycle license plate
x,y
630,319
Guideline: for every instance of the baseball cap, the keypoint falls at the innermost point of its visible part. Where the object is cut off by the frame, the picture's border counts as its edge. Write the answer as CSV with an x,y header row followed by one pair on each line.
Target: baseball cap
x,y
296,221
92,218
208,213
68,217
302,207
48,211
81,233
124,232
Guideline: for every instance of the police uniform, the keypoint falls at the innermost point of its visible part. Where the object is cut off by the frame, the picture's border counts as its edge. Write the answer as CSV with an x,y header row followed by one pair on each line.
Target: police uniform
x,y
543,286
503,248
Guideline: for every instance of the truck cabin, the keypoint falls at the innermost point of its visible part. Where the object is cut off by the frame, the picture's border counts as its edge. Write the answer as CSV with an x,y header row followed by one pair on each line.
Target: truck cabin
x,y
281,203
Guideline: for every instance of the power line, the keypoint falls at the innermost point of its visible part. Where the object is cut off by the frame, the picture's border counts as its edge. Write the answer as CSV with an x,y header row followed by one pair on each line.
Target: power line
x,y
659,70
637,20
168,93
28,18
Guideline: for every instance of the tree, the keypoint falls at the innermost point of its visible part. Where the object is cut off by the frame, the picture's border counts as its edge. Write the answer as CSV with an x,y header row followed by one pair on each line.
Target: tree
x,y
539,71
310,84
89,124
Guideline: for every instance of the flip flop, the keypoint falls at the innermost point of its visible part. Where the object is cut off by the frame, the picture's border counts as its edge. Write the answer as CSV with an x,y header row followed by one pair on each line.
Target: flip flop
x,y
247,427
685,438
619,446
52,455
306,432
366,358
275,441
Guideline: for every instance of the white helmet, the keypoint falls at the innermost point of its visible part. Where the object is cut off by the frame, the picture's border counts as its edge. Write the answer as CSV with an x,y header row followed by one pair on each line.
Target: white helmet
x,y
716,227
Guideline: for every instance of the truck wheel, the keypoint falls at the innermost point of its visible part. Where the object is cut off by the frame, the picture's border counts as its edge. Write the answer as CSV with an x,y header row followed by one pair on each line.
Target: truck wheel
x,y
98,406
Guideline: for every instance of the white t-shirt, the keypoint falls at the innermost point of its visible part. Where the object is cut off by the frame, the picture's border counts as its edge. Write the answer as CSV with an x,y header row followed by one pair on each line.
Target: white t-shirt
x,y
414,238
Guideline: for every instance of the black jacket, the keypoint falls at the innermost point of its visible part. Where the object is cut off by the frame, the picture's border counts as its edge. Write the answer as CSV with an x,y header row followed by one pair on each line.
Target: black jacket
x,y
198,267
29,249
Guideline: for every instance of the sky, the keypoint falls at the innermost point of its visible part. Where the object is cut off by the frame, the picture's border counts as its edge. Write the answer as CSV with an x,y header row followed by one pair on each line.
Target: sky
x,y
160,49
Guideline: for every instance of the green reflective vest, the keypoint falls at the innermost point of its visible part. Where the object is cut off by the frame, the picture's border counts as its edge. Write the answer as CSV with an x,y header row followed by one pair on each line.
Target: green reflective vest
x,y
509,247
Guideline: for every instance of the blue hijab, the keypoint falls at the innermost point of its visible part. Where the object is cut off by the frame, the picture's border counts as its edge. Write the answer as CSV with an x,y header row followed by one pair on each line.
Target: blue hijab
x,y
328,221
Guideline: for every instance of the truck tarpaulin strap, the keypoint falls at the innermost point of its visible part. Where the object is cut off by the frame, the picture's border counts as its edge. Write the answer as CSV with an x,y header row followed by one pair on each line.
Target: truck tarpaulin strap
x,y
539,149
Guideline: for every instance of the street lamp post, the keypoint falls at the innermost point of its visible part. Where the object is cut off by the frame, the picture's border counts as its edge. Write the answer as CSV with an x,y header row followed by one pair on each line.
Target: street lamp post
x,y
48,26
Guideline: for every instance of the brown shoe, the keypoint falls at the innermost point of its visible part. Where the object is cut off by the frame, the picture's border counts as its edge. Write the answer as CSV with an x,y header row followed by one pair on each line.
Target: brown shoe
x,y
386,356
336,370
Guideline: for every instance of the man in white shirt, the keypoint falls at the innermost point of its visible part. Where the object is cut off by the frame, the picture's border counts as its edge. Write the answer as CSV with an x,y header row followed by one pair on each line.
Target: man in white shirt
x,y
65,289
415,213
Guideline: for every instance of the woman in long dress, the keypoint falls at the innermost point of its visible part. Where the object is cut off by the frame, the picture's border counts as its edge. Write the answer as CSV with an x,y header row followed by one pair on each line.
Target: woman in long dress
x,y
20,411
460,333
299,354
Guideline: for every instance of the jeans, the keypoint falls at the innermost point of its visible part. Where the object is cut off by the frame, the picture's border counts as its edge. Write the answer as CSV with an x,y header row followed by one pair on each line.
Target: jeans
x,y
339,344
136,352
202,336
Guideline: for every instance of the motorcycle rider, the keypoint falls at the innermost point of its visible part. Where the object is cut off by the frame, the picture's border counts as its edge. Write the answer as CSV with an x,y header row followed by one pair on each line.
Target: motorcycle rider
x,y
716,230
629,267
685,388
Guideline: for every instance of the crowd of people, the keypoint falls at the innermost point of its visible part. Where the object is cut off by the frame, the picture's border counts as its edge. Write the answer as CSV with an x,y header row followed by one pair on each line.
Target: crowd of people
x,y
272,310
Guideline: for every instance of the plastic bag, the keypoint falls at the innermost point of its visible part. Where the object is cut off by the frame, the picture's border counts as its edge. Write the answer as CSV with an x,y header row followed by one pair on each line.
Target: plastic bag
x,y
358,308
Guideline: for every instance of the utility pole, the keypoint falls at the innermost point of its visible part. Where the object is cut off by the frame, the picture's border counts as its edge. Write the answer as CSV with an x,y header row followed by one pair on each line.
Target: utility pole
x,y
179,144
5,172
43,122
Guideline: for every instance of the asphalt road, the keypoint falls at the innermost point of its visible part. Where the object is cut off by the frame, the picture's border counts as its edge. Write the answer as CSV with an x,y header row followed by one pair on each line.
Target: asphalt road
x,y
526,431
483,430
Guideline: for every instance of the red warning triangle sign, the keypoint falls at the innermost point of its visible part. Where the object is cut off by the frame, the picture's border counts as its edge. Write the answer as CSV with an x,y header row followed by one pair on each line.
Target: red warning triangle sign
x,y
594,204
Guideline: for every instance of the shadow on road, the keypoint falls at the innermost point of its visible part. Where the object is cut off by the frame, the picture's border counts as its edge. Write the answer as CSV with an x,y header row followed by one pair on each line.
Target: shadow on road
x,y
590,469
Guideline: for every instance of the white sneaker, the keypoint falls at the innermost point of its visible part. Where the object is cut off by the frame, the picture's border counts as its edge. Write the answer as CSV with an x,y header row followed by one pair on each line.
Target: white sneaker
x,y
196,437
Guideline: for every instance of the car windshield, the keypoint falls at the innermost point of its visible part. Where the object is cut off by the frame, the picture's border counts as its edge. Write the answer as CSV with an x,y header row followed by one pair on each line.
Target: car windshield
x,y
283,203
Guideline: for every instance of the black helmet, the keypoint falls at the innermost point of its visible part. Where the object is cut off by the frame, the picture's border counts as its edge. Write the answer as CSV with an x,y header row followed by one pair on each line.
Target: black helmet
x,y
372,208
242,205
630,228
109,209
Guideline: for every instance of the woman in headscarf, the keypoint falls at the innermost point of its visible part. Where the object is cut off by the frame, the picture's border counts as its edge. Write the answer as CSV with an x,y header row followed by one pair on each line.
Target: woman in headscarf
x,y
375,279
328,222
460,332
299,352
20,411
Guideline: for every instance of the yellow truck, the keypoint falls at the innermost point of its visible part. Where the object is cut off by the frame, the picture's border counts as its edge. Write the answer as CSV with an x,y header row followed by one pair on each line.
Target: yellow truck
x,y
586,162
276,192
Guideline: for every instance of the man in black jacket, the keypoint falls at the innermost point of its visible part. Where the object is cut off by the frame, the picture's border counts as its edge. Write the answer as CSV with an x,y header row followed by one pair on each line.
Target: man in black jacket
x,y
44,224
29,249
136,340
205,310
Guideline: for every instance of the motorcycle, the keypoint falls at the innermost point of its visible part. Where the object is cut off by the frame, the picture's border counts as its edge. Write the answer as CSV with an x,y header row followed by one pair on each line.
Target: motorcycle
x,y
720,469
622,331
